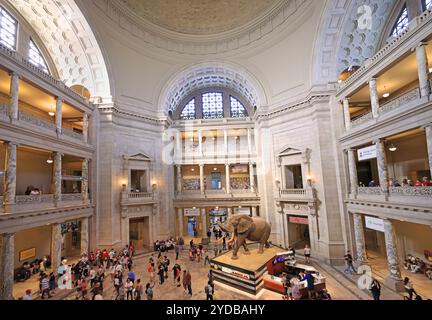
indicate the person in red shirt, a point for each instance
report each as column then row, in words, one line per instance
column 105, row 257
column 91, row 258
column 426, row 182
column 131, row 249
column 418, row 183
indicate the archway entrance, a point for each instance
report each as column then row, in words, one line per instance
column 139, row 233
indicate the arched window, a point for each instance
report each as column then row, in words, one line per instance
column 8, row 29
column 401, row 23
column 36, row 58
column 189, row 112
column 212, row 105
column 237, row 108
column 427, row 4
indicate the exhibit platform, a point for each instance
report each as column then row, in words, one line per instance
column 245, row 273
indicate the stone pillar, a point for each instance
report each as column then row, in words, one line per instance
column 359, row 239
column 10, row 178
column 58, row 115
column 85, row 126
column 230, row 212
column 347, row 115
column 227, row 177
column 226, row 141
column 392, row 258
column 180, row 222
column 249, row 137
column 179, row 179
column 428, row 131
column 382, row 166
column 7, row 243
column 84, row 181
column 56, row 246
column 423, row 70
column 374, row 97
column 204, row 226
column 251, row 177
column 200, row 147
column 57, row 177
column 202, row 187
column 178, row 144
column 254, row 211
column 85, row 235
column 352, row 167
column 14, row 96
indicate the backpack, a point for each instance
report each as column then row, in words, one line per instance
column 208, row 289
column 149, row 292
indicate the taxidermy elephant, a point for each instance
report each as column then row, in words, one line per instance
column 242, row 227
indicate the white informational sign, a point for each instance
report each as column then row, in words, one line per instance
column 236, row 273
column 367, row 153
column 374, row 223
column 192, row 212
column 245, row 211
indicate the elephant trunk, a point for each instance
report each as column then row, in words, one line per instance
column 225, row 228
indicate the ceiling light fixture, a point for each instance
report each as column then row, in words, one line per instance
column 51, row 113
column 50, row 160
column 430, row 70
column 215, row 169
column 192, row 169
column 213, row 138
column 392, row 148
column 386, row 95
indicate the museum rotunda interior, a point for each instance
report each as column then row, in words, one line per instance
column 271, row 148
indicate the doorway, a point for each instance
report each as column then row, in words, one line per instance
column 298, row 231
column 192, row 227
column 139, row 233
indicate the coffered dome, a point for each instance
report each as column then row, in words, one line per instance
column 201, row 17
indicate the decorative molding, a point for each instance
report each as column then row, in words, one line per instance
column 201, row 45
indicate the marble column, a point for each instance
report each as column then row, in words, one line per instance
column 226, row 141
column 428, row 132
column 254, row 211
column 180, row 222
column 7, row 253
column 84, row 181
column 14, row 96
column 204, row 224
column 382, row 166
column 359, row 239
column 57, row 177
column 347, row 116
column 202, row 187
column 178, row 145
column 374, row 97
column 85, row 235
column 251, row 177
column 423, row 70
column 56, row 246
column 352, row 167
column 392, row 258
column 10, row 178
column 230, row 212
column 85, row 129
column 58, row 115
column 249, row 137
column 227, row 177
column 200, row 146
column 179, row 179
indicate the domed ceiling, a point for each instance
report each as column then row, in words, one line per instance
column 201, row 17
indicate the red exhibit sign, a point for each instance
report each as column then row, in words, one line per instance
column 299, row 220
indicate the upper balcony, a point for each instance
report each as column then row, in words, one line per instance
column 296, row 195
column 138, row 198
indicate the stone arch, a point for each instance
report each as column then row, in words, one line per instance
column 70, row 41
column 211, row 74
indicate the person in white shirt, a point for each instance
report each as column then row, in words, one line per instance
column 28, row 295
column 307, row 253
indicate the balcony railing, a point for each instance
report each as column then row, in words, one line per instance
column 33, row 120
column 362, row 119
column 139, row 195
column 400, row 101
column 72, row 134
column 4, row 112
column 411, row 191
column 376, row 191
column 71, row 196
column 31, row 199
column 296, row 193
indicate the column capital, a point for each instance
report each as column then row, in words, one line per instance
column 12, row 143
column 59, row 98
column 427, row 126
column 15, row 74
column 373, row 79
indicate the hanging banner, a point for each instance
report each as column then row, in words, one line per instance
column 367, row 153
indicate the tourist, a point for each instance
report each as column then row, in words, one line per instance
column 310, row 280
column 161, row 273
column 177, row 251
column 209, row 234
column 409, row 288
column 187, row 282
column 28, row 295
column 324, row 295
column 295, row 291
column 209, row 290
column 44, row 284
column 349, row 263
column 287, row 288
column 129, row 289
column 52, row 281
column 210, row 276
column 206, row 257
column 118, row 282
column 150, row 269
column 375, row 288
column 131, row 276
column 198, row 254
column 426, row 182
column 138, row 290
column 149, row 291
column 178, row 275
column 307, row 254
column 96, row 290
column 372, row 184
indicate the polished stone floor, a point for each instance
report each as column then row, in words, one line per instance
column 341, row 286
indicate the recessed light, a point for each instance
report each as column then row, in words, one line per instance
column 214, row 169
column 386, row 95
